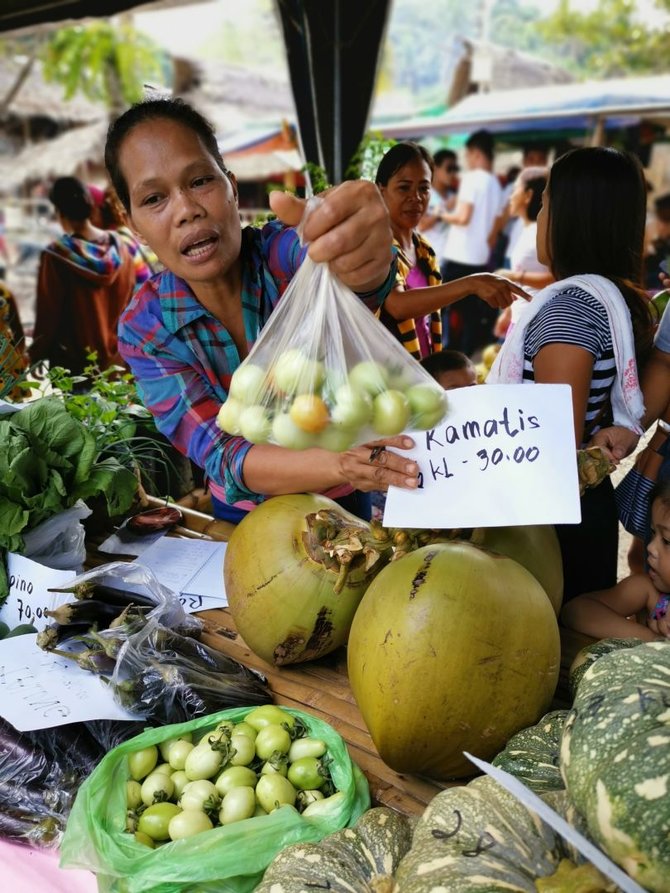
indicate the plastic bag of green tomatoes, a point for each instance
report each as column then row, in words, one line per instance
column 228, row 858
column 325, row 372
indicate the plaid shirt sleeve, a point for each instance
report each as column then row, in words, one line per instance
column 182, row 393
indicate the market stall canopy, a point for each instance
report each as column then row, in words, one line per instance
column 265, row 154
column 333, row 49
column 619, row 102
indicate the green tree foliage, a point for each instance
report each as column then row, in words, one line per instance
column 612, row 40
column 104, row 62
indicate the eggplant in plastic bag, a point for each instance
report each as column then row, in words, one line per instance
column 172, row 678
column 325, row 372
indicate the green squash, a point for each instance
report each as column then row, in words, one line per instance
column 480, row 839
column 452, row 648
column 535, row 547
column 590, row 653
column 362, row 858
column 532, row 754
column 615, row 759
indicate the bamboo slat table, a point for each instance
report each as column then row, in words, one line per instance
column 322, row 687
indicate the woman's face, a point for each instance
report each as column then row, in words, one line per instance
column 181, row 202
column 519, row 199
column 407, row 193
column 542, row 237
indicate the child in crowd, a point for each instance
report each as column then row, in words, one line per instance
column 606, row 613
column 450, row 368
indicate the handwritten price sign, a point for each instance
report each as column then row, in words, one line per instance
column 504, row 455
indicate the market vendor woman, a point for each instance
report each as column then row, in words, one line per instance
column 188, row 328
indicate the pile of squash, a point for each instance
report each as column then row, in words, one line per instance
column 604, row 766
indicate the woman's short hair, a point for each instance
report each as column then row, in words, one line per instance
column 71, row 198
column 398, row 156
column 172, row 109
column 535, row 179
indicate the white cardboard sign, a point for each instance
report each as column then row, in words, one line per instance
column 504, row 455
column 29, row 597
column 39, row 690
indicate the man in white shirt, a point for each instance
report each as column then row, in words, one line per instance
column 442, row 199
column 468, row 325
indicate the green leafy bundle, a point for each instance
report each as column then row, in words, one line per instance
column 49, row 460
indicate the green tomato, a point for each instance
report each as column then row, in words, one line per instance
column 272, row 739
column 203, row 761
column 235, row 777
column 255, row 424
column 133, row 794
column 268, row 714
column 286, row 433
column 306, row 798
column 247, row 383
column 336, row 439
column 165, row 746
column 243, row 728
column 390, row 413
column 179, row 780
column 156, row 788
column 201, row 794
column 188, row 823
column 428, row 405
column 238, row 804
column 369, row 377
column 228, row 417
column 144, row 839
column 142, row 762
column 155, row 820
column 243, row 750
column 274, row 791
column 306, row 773
column 295, row 373
column 276, row 765
column 353, row 407
column 306, row 747
column 178, row 753
column 165, row 768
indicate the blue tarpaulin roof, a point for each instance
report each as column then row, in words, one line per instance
column 621, row 101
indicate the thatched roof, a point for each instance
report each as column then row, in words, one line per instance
column 64, row 155
column 38, row 98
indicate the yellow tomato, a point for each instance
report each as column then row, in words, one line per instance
column 309, row 413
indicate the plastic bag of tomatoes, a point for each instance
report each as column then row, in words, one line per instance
column 325, row 372
column 207, row 804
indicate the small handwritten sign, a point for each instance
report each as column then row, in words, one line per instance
column 29, row 597
column 39, row 689
column 504, row 455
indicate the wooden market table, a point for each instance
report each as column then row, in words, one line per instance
column 322, row 687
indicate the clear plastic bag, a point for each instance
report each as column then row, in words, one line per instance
column 169, row 678
column 59, row 542
column 325, row 372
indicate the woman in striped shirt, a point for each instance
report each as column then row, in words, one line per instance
column 591, row 329
column 412, row 309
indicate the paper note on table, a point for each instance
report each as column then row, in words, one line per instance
column 29, row 597
column 503, row 455
column 39, row 689
column 191, row 568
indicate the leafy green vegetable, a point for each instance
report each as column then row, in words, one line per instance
column 49, row 460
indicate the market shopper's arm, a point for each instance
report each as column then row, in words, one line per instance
column 560, row 363
column 494, row 290
column 350, row 230
column 461, row 216
column 529, row 278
